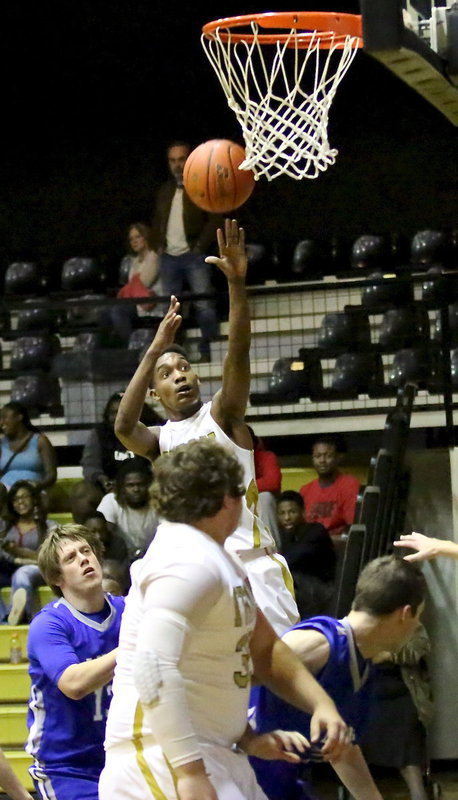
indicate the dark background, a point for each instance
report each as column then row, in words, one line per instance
column 93, row 91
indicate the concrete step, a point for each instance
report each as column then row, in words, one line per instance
column 14, row 683
column 13, row 725
column 20, row 762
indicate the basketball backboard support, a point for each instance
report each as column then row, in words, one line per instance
column 418, row 42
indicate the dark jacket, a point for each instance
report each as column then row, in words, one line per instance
column 200, row 227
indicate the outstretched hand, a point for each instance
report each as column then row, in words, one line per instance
column 426, row 546
column 168, row 327
column 232, row 258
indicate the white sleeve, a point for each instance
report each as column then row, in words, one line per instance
column 108, row 507
column 173, row 605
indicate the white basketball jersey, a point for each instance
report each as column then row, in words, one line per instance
column 251, row 532
column 215, row 664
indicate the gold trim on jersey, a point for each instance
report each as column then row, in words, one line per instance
column 144, row 767
column 287, row 577
column 251, row 496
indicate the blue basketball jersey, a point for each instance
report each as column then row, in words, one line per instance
column 64, row 731
column 344, row 677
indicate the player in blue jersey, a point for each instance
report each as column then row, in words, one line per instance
column 386, row 610
column 72, row 652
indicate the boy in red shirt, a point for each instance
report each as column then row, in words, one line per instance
column 330, row 498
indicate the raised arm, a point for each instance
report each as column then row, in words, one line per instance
column 229, row 404
column 128, row 428
column 426, row 547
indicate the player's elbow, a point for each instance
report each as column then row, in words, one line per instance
column 122, row 427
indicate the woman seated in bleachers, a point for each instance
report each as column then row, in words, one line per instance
column 143, row 281
column 103, row 453
column 25, row 453
column 26, row 527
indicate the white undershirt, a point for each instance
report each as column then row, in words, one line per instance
column 176, row 237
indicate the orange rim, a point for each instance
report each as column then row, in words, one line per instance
column 325, row 27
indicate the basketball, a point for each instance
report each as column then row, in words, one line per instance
column 212, row 178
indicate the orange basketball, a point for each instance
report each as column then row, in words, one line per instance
column 212, row 179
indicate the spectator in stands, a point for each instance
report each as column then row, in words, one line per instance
column 115, row 556
column 128, row 509
column 19, row 550
column 268, row 481
column 102, row 455
column 182, row 234
column 143, row 281
column 330, row 498
column 310, row 554
column 25, row 453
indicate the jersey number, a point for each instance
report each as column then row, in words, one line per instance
column 242, row 677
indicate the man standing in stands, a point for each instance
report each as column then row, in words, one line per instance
column 331, row 498
column 165, row 368
column 72, row 652
column 182, row 234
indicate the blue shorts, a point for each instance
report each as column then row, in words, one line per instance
column 65, row 784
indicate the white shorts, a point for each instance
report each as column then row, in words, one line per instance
column 273, row 590
column 133, row 773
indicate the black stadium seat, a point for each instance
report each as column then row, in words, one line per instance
column 404, row 327
column 34, row 352
column 82, row 274
column 370, row 251
column 344, row 330
column 25, row 278
column 412, row 365
column 290, row 380
column 39, row 392
column 358, row 373
column 386, row 292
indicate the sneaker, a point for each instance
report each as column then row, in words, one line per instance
column 18, row 604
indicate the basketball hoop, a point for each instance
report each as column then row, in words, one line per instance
column 280, row 84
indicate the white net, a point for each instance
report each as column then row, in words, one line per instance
column 281, row 94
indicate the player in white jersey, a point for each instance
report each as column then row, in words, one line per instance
column 165, row 369
column 191, row 638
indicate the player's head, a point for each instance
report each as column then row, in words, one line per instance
column 132, row 483
column 290, row 510
column 391, row 587
column 175, row 384
column 327, row 453
column 193, row 480
column 70, row 557
column 177, row 153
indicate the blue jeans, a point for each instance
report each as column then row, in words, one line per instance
column 27, row 577
column 191, row 268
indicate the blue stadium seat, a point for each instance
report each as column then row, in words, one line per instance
column 306, row 262
column 441, row 288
